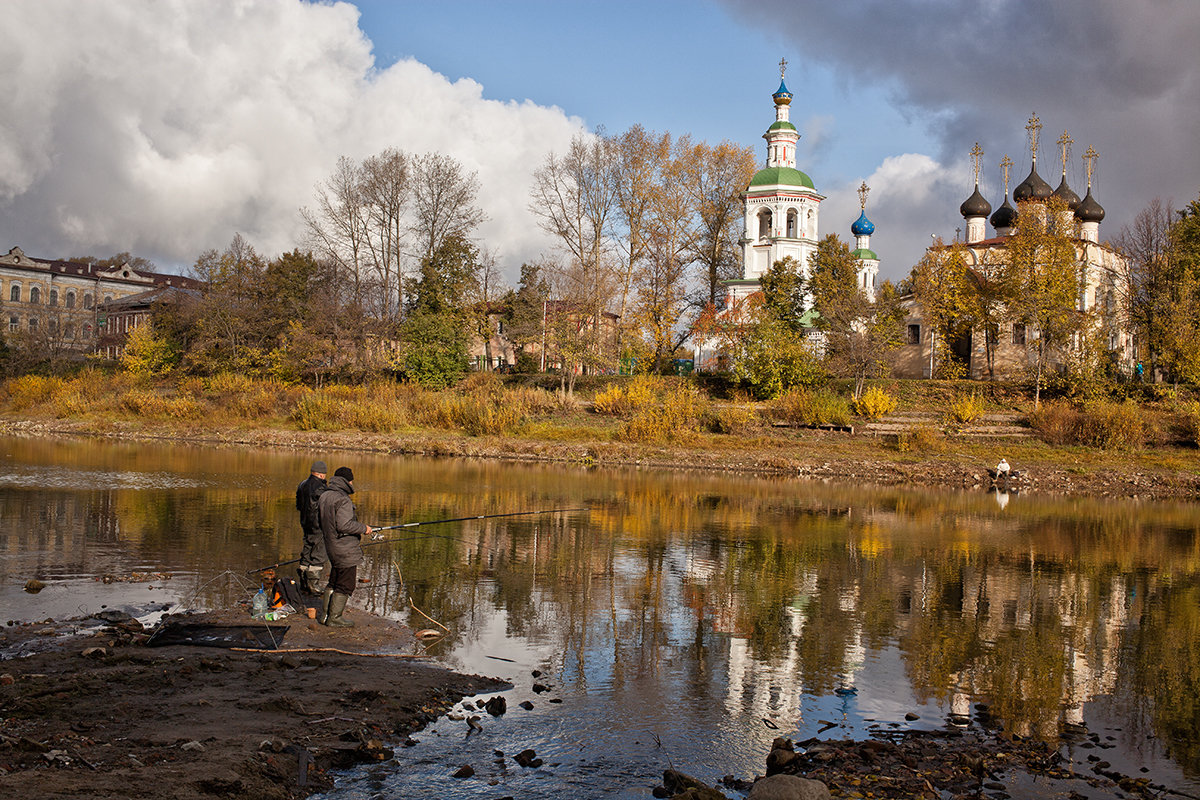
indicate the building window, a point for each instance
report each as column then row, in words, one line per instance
column 52, row 326
column 914, row 334
column 791, row 223
column 14, row 294
column 14, row 324
column 70, row 299
column 33, row 323
column 108, row 298
column 69, row 330
column 1018, row 334
column 87, row 300
column 54, row 297
column 764, row 223
column 35, row 295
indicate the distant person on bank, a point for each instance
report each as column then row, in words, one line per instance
column 343, row 543
column 312, row 554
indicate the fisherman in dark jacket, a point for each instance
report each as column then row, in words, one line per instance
column 312, row 554
column 343, row 542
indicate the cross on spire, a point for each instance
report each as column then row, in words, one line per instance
column 976, row 155
column 1034, row 127
column 863, row 191
column 1005, row 165
column 1089, row 158
column 1064, row 146
column 782, row 67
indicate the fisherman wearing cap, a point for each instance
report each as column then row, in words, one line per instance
column 343, row 541
column 312, row 555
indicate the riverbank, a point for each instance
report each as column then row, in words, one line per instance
column 96, row 713
column 956, row 462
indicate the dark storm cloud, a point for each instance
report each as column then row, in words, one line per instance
column 1120, row 76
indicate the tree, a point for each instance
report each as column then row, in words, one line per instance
column 1181, row 340
column 860, row 336
column 1041, row 270
column 716, row 176
column 940, row 286
column 525, row 310
column 445, row 198
column 436, row 328
column 149, row 353
column 785, row 293
column 229, row 330
column 1150, row 279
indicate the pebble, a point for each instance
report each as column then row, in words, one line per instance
column 465, row 771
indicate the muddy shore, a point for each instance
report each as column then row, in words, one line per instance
column 96, row 713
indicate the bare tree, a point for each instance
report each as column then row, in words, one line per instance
column 384, row 192
column 444, row 202
column 337, row 227
column 717, row 176
column 1148, row 281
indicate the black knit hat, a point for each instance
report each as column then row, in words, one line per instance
column 344, row 472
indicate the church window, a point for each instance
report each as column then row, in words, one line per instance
column 14, row 294
column 35, row 295
column 764, row 223
column 914, row 334
column 1018, row 336
column 70, row 299
column 54, row 297
column 791, row 223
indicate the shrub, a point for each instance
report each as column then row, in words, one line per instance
column 730, row 419
column 921, row 439
column 636, row 395
column 1113, row 426
column 154, row 405
column 676, row 417
column 610, row 401
column 1055, row 423
column 874, row 403
column 316, row 412
column 1189, row 414
column 803, row 407
column 28, row 391
column 964, row 408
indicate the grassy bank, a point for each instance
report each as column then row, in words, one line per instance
column 933, row 427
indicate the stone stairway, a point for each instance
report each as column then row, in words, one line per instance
column 1008, row 426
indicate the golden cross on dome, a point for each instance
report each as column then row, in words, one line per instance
column 863, row 191
column 1089, row 158
column 782, row 67
column 1005, row 165
column 976, row 154
column 1034, row 127
column 1064, row 145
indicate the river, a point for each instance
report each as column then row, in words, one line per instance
column 678, row 619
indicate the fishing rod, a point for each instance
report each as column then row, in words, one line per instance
column 428, row 522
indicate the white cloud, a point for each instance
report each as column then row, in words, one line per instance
column 165, row 127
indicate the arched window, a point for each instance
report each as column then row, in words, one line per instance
column 14, row 294
column 87, row 300
column 108, row 298
column 764, row 223
column 35, row 295
column 54, row 297
column 70, row 299
column 810, row 228
column 791, row 223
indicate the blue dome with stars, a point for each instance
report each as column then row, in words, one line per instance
column 862, row 226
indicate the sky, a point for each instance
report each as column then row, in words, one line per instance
column 164, row 127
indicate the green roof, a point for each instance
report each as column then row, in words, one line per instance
column 809, row 318
column 781, row 126
column 781, row 176
column 865, row 254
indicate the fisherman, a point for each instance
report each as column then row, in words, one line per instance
column 343, row 542
column 1002, row 469
column 312, row 554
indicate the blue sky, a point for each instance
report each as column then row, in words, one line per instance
column 199, row 120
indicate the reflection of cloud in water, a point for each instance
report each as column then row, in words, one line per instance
column 70, row 478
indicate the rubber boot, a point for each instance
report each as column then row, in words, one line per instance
column 323, row 612
column 337, row 605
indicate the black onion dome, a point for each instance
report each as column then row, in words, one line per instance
column 975, row 205
column 1005, row 216
column 1032, row 188
column 1067, row 194
column 1089, row 210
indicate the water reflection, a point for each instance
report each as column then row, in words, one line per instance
column 685, row 602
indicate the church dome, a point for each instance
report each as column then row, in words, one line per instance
column 1032, row 188
column 975, row 205
column 862, row 226
column 782, row 96
column 1067, row 195
column 1005, row 216
column 781, row 176
column 1089, row 210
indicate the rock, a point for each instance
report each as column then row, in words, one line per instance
column 94, row 652
column 465, row 771
column 779, row 759
column 525, row 704
column 788, row 787
column 191, row 746
column 911, row 716
column 680, row 785
column 539, row 688
column 528, row 758
column 537, row 673
column 33, row 586
column 496, row 706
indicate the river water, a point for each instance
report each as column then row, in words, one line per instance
column 678, row 619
